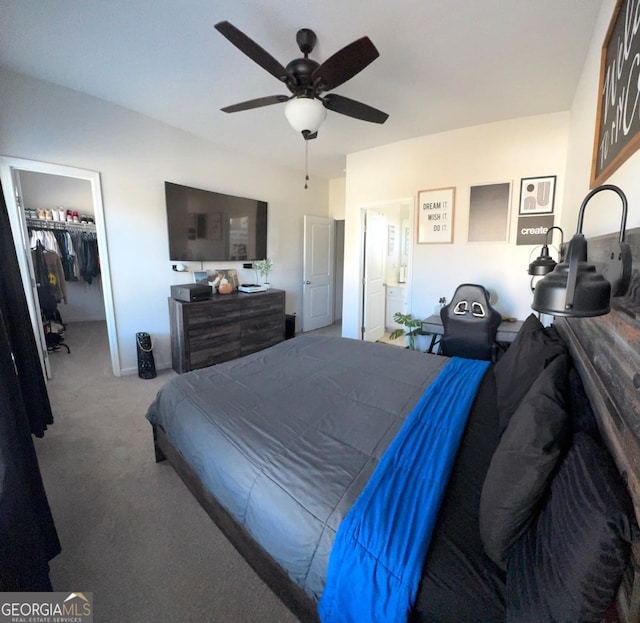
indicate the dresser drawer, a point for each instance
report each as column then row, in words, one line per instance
column 261, row 332
column 203, row 315
column 265, row 303
column 214, row 352
column 203, row 336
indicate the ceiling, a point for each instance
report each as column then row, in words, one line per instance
column 443, row 64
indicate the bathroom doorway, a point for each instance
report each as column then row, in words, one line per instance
column 386, row 261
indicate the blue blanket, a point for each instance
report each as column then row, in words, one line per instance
column 378, row 553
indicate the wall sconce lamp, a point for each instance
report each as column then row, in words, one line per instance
column 544, row 263
column 576, row 287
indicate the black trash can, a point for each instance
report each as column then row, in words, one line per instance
column 289, row 326
column 146, row 364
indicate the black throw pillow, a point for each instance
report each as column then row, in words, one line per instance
column 524, row 461
column 582, row 417
column 567, row 567
column 530, row 353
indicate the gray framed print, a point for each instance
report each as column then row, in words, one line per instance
column 489, row 206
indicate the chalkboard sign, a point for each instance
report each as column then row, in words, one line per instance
column 617, row 133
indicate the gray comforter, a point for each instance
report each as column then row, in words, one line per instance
column 286, row 438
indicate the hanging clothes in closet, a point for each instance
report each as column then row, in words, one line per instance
column 88, row 259
column 67, row 254
column 61, row 254
column 77, row 251
column 49, row 272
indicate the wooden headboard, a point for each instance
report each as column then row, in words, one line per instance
column 606, row 352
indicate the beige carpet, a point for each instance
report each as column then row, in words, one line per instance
column 131, row 532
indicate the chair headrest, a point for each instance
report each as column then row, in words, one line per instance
column 470, row 298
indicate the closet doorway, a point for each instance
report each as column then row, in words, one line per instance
column 30, row 186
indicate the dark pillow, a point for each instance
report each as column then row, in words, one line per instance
column 568, row 565
column 530, row 353
column 523, row 463
column 582, row 417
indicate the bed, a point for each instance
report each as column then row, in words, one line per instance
column 280, row 446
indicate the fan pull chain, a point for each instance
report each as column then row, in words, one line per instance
column 306, row 164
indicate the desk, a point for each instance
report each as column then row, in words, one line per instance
column 507, row 331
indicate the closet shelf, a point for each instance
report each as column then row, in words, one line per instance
column 39, row 223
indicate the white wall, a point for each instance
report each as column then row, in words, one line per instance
column 337, row 189
column 581, row 135
column 498, row 152
column 135, row 155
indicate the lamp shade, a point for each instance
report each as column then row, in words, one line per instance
column 574, row 288
column 578, row 288
column 543, row 264
column 305, row 114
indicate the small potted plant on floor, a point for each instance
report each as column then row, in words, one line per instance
column 263, row 268
column 412, row 329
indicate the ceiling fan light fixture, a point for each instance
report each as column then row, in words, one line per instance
column 305, row 114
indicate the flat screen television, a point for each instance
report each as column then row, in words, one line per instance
column 211, row 227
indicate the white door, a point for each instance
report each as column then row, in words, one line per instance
column 23, row 253
column 317, row 272
column 374, row 290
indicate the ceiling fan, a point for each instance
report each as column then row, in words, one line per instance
column 309, row 81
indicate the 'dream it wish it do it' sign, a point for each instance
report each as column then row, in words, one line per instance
column 435, row 215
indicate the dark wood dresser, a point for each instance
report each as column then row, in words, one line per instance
column 224, row 327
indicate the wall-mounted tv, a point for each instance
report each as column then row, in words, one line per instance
column 211, row 227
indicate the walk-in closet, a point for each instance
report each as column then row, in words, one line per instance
column 61, row 229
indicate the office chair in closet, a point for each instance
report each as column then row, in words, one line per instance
column 470, row 324
column 51, row 320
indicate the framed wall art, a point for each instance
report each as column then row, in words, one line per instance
column 435, row 215
column 489, row 212
column 537, row 195
column 201, row 276
column 617, row 131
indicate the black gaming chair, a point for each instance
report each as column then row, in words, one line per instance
column 470, row 324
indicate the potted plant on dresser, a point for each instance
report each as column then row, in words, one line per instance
column 263, row 268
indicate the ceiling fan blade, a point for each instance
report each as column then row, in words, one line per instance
column 256, row 103
column 351, row 108
column 252, row 50
column 344, row 64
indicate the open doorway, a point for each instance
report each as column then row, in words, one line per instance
column 60, row 216
column 33, row 190
column 386, row 261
